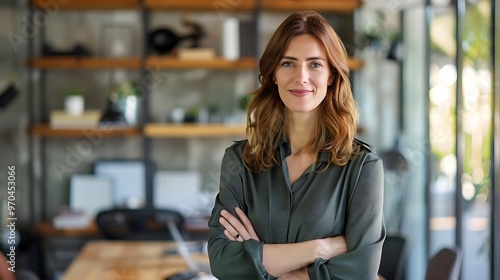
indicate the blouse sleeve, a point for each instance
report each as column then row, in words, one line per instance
column 365, row 230
column 232, row 259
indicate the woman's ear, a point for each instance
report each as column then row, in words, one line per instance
column 330, row 80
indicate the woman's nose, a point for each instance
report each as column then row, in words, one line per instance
column 301, row 75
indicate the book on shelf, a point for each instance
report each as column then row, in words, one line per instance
column 196, row 53
column 88, row 119
column 69, row 219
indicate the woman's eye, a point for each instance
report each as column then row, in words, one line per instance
column 315, row 65
column 287, row 64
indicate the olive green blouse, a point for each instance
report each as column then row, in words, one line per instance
column 341, row 200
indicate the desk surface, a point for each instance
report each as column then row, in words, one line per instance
column 127, row 260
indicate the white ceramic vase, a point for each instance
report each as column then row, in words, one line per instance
column 74, row 104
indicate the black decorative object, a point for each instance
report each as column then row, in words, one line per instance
column 113, row 115
column 7, row 95
column 163, row 40
column 77, row 50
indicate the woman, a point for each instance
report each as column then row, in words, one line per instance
column 300, row 198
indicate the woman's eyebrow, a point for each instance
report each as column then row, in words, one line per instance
column 307, row 59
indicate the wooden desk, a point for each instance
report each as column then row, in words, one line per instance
column 127, row 260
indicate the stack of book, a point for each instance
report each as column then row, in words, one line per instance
column 196, row 53
column 71, row 220
column 88, row 119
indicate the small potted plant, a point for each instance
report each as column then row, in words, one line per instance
column 74, row 102
column 244, row 103
column 128, row 101
column 192, row 114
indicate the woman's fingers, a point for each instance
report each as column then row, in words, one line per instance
column 234, row 227
column 229, row 236
column 229, row 229
column 240, row 229
column 247, row 224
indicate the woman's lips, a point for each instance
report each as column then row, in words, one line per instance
column 299, row 92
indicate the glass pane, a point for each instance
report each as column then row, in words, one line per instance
column 476, row 119
column 476, row 132
column 442, row 106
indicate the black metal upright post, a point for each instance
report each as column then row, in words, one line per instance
column 495, row 173
column 257, row 12
column 44, row 118
column 146, row 92
column 31, row 121
column 460, row 8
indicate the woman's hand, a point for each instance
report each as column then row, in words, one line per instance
column 331, row 247
column 237, row 230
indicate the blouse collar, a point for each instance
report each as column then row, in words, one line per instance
column 286, row 150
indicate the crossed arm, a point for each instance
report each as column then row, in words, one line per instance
column 285, row 261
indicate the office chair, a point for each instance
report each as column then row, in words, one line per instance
column 138, row 224
column 445, row 265
column 393, row 258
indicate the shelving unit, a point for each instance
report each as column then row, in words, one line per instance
column 147, row 130
column 155, row 130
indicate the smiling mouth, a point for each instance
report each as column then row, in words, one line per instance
column 300, row 92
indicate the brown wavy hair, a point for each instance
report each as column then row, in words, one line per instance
column 336, row 125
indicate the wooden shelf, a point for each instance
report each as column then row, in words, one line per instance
column 44, row 130
column 154, row 62
column 71, row 62
column 343, row 6
column 216, row 63
column 88, row 4
column 355, row 64
column 47, row 229
column 220, row 6
column 159, row 130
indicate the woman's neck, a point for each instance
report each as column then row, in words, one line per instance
column 300, row 128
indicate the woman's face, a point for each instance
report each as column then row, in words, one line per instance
column 303, row 75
